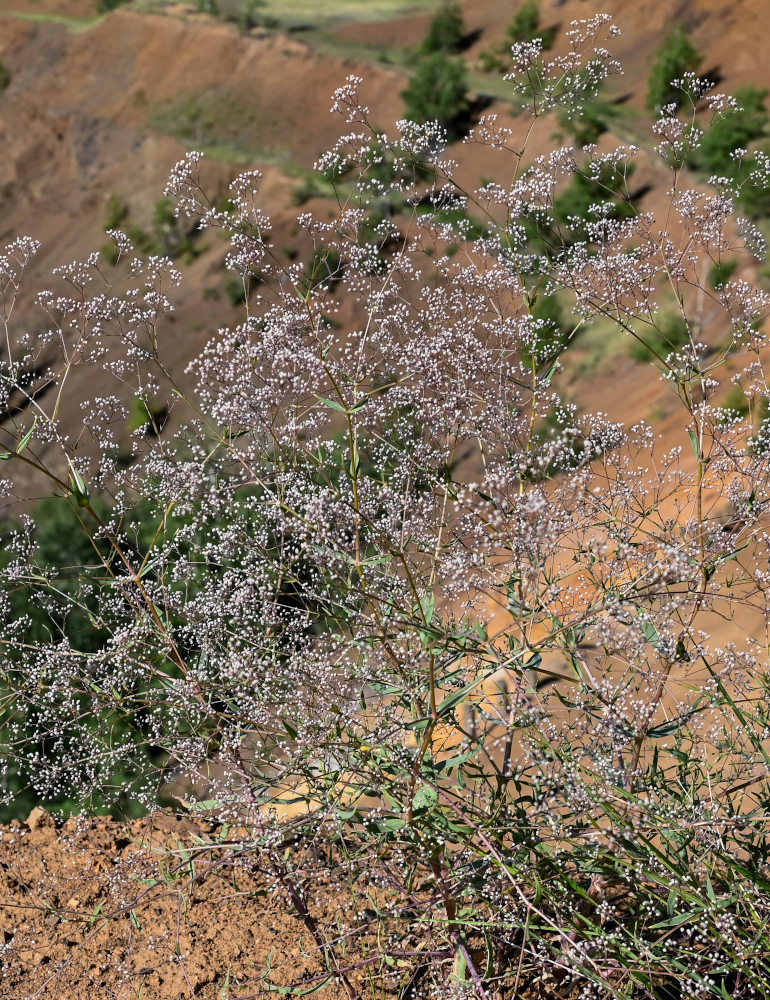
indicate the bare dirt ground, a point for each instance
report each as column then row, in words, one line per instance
column 97, row 908
column 168, row 907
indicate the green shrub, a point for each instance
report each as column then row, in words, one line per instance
column 754, row 199
column 552, row 331
column 171, row 237
column 657, row 342
column 595, row 119
column 235, row 289
column 490, row 62
column 438, row 92
column 572, row 207
column 5, row 76
column 465, row 225
column 314, row 186
column 734, row 130
column 248, row 17
column 148, row 415
column 736, row 405
column 676, row 56
column 446, row 31
column 116, row 213
column 739, row 129
column 759, row 444
column 525, row 26
column 59, row 599
column 720, row 272
column 141, row 239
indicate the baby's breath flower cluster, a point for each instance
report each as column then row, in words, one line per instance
column 383, row 583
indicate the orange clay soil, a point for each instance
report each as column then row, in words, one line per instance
column 96, row 908
column 170, row 907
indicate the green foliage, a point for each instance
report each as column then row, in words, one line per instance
column 148, row 415
column 594, row 120
column 116, row 213
column 171, row 237
column 314, row 185
column 657, row 342
column 105, row 6
column 740, row 129
column 525, row 25
column 552, row 330
column 759, row 444
column 720, row 272
column 736, row 405
column 676, row 56
column 754, row 197
column 572, row 207
column 324, row 268
column 59, row 599
column 465, row 225
column 5, row 76
column 235, row 289
column 438, row 92
column 732, row 130
column 64, row 552
column 490, row 62
column 248, row 16
column 446, row 31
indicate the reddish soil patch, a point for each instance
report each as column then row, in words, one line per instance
column 96, row 908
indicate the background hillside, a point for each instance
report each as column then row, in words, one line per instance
column 99, row 106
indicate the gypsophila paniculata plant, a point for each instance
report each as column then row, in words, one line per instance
column 391, row 591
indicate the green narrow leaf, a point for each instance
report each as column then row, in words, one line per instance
column 26, row 439
column 22, row 444
column 425, row 798
column 680, row 918
column 649, row 631
column 332, row 404
column 79, row 489
column 547, row 380
column 694, row 443
column 533, row 662
column 732, row 555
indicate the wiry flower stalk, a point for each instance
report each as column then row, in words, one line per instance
column 385, row 585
